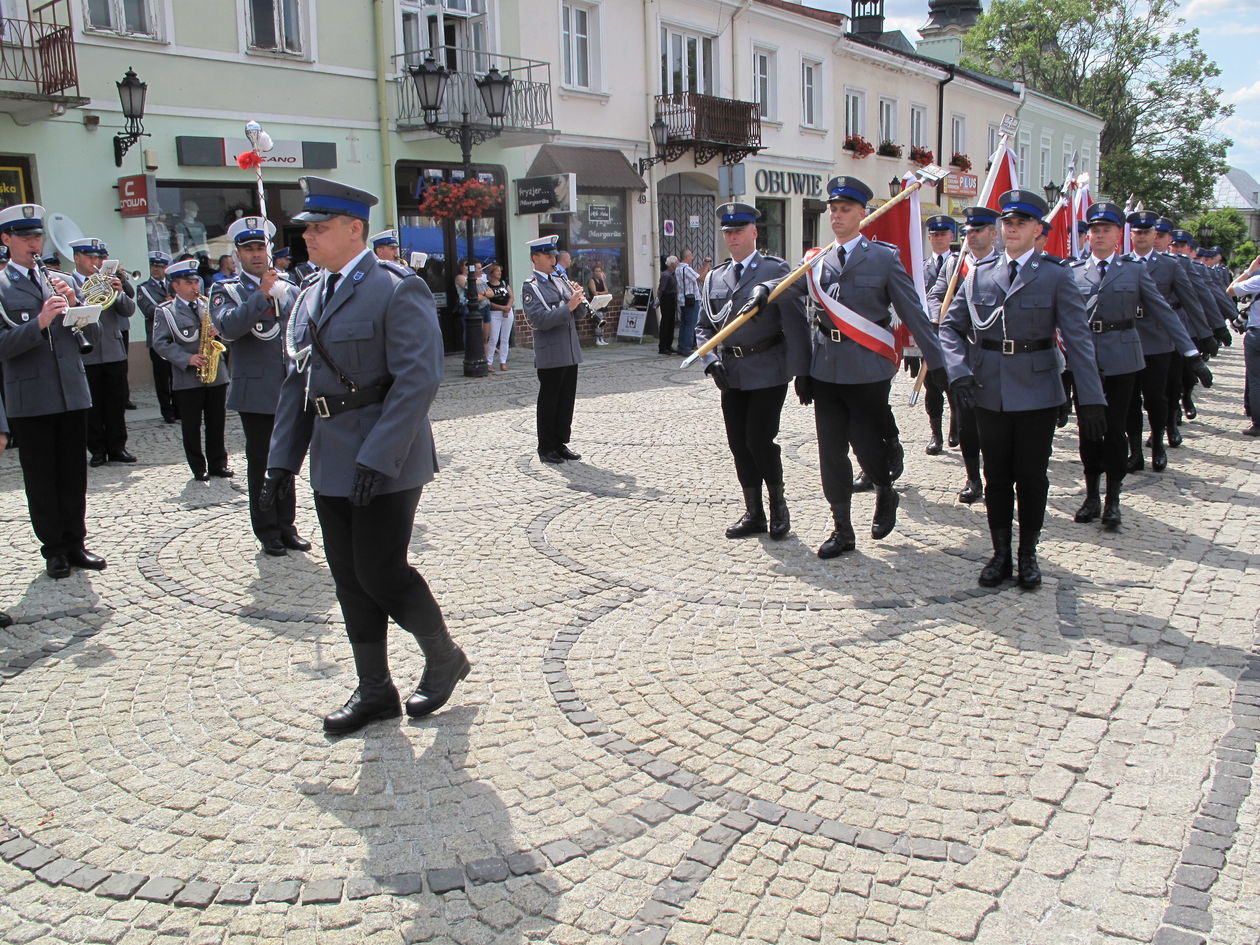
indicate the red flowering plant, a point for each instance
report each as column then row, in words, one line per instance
column 960, row 161
column 460, row 199
column 921, row 156
column 858, row 145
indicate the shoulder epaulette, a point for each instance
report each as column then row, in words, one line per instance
column 397, row 269
column 987, row 261
column 1076, row 263
column 892, row 246
column 772, row 257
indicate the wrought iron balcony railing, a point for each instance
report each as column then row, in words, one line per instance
column 709, row 126
column 528, row 101
column 39, row 52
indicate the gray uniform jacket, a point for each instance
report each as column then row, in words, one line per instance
column 545, row 302
column 1126, row 294
column 149, row 295
column 43, row 372
column 1204, row 316
column 721, row 297
column 1222, row 309
column 1043, row 298
column 177, row 337
column 247, row 320
column 1174, row 285
column 872, row 279
column 932, row 275
column 381, row 329
column 107, row 341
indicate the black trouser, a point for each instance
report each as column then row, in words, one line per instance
column 126, row 363
column 279, row 519
column 107, row 417
column 366, row 548
column 668, row 310
column 1176, row 365
column 851, row 415
column 935, row 396
column 162, row 383
column 54, row 471
column 194, row 404
column 557, row 392
column 1151, row 391
column 1188, row 377
column 968, row 438
column 752, row 424
column 1111, row 454
column 1015, row 446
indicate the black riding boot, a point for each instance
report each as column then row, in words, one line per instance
column 999, row 567
column 1029, row 572
column 1111, row 506
column 1092, row 505
column 444, row 666
column 753, row 521
column 936, row 442
column 780, row 520
column 841, row 538
column 375, row 698
column 974, row 489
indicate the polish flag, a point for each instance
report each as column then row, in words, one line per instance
column 1003, row 176
column 1059, row 242
column 902, row 226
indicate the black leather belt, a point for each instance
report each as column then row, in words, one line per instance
column 1011, row 346
column 332, row 404
column 743, row 351
column 1099, row 327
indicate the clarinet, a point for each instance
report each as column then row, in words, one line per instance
column 85, row 346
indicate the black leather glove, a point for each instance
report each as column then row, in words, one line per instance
column 366, row 482
column 939, row 378
column 911, row 365
column 718, row 373
column 1092, row 420
column 1208, row 346
column 755, row 304
column 1200, row 370
column 805, row 389
column 1222, row 335
column 964, row 391
column 277, row 484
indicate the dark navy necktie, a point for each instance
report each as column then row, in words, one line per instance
column 739, row 272
column 1014, row 270
column 842, row 255
column 1102, row 269
column 331, row 287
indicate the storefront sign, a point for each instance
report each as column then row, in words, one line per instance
column 556, row 193
column 961, row 185
column 195, row 151
column 598, row 213
column 137, row 195
column 788, row 182
column 284, row 154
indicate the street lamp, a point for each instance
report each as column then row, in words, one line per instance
column 660, row 138
column 431, row 80
column 1205, row 233
column 894, row 187
column 1053, row 193
column 131, row 92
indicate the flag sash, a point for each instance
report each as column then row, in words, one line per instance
column 857, row 328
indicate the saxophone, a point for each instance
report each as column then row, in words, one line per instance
column 211, row 349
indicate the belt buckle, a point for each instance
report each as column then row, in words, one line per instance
column 1139, row 313
column 837, row 335
column 1096, row 327
column 736, row 350
column 1008, row 345
column 321, row 408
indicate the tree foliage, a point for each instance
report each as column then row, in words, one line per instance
column 1229, row 229
column 1131, row 63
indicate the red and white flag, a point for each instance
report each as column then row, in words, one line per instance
column 1003, row 176
column 1059, row 242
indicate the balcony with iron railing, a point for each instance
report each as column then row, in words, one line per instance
column 39, row 74
column 709, row 126
column 528, row 112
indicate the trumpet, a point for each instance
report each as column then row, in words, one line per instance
column 85, row 346
column 211, row 349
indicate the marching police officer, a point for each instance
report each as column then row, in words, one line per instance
column 852, row 286
column 1216, row 313
column 149, row 295
column 753, row 365
column 385, row 244
column 941, row 231
column 45, row 394
column 367, row 362
column 1008, row 308
column 178, row 327
column 551, row 307
column 106, row 363
column 250, row 312
column 1119, row 295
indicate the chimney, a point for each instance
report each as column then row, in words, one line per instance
column 867, row 18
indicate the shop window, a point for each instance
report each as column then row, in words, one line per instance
column 597, row 234
column 771, row 228
column 193, row 218
column 275, row 26
column 811, row 212
column 126, row 17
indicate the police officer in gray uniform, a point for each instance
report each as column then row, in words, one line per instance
column 5, row 619
column 1117, row 289
column 106, row 363
column 1004, row 319
column 753, row 366
column 250, row 312
column 45, row 394
column 149, row 295
column 1216, row 314
column 551, row 307
column 366, row 355
column 941, row 230
column 177, row 336
column 849, row 378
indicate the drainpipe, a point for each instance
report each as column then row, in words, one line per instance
column 940, row 123
column 389, row 190
column 651, row 68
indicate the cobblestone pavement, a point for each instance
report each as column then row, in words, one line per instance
column 667, row 736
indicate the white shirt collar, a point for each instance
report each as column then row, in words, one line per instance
column 851, row 245
column 740, row 262
column 1109, row 260
column 349, row 267
column 1022, row 260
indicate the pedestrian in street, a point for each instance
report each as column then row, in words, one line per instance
column 180, row 326
column 687, row 284
column 46, row 393
column 366, row 352
column 502, row 317
column 1117, row 289
column 149, row 295
column 1248, row 283
column 1003, row 320
column 667, row 304
column 753, row 366
column 551, row 306
column 855, row 286
column 250, row 312
column 106, row 363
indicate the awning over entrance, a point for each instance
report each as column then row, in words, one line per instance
column 595, row 167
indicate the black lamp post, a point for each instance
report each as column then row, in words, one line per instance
column 1053, row 193
column 131, row 92
column 894, row 187
column 660, row 138
column 1205, row 233
column 431, row 80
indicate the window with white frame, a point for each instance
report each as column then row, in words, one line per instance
column 887, row 120
column 918, row 126
column 1084, row 161
column 994, row 134
column 457, row 33
column 1046, row 170
column 1068, row 159
column 958, row 134
column 811, row 93
column 126, row 17
column 579, row 27
column 1023, row 156
column 276, row 25
column 764, row 91
column 687, row 62
column 854, row 112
